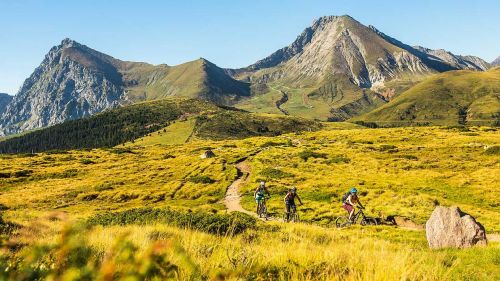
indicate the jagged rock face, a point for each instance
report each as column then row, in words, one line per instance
column 69, row 84
column 450, row 227
column 5, row 99
column 496, row 62
column 458, row 62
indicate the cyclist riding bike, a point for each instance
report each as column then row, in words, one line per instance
column 290, row 201
column 349, row 200
column 260, row 194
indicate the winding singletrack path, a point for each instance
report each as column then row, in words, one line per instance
column 233, row 198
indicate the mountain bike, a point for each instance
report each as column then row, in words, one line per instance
column 343, row 221
column 262, row 209
column 291, row 216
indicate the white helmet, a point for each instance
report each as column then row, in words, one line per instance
column 262, row 183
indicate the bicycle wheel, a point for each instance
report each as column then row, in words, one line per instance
column 368, row 221
column 264, row 211
column 342, row 222
column 285, row 217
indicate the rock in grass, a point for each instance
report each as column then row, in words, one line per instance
column 450, row 227
column 207, row 154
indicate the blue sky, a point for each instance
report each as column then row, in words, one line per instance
column 230, row 33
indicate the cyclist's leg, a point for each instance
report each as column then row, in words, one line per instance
column 349, row 209
column 351, row 214
column 287, row 211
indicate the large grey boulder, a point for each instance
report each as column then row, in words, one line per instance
column 450, row 227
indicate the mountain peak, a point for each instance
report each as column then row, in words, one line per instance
column 68, row 42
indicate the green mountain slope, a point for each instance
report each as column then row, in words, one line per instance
column 339, row 68
column 196, row 79
column 128, row 123
column 451, row 98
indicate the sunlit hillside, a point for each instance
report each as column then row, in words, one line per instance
column 154, row 207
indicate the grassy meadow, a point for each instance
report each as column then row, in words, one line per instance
column 89, row 214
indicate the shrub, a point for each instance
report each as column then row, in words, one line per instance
column 271, row 173
column 459, row 128
column 387, row 147
column 274, row 143
column 409, row 157
column 233, row 223
column 117, row 150
column 366, row 124
column 86, row 161
column 306, row 154
column 201, row 179
column 7, row 228
column 492, row 150
column 89, row 197
column 168, row 156
column 22, row 173
column 338, row 159
column 103, row 187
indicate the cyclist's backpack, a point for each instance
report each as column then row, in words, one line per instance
column 344, row 197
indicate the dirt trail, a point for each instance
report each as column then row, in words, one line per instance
column 233, row 197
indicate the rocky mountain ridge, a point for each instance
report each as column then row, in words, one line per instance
column 351, row 68
column 75, row 81
column 340, row 45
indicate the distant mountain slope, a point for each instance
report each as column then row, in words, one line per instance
column 5, row 99
column 124, row 124
column 450, row 98
column 496, row 62
column 75, row 81
column 349, row 67
column 456, row 61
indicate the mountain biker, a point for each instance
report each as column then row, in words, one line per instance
column 260, row 194
column 290, row 201
column 349, row 200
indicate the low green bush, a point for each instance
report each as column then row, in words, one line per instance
column 201, row 179
column 387, row 147
column 492, row 150
column 233, row 223
column 86, row 161
column 306, row 154
column 338, row 159
column 271, row 173
column 409, row 157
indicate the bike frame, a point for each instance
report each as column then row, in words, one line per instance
column 357, row 215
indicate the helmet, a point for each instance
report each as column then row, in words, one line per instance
column 354, row 190
column 262, row 183
column 293, row 189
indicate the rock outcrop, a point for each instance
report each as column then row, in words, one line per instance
column 72, row 82
column 5, row 99
column 450, row 227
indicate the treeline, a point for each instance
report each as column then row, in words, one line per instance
column 105, row 129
